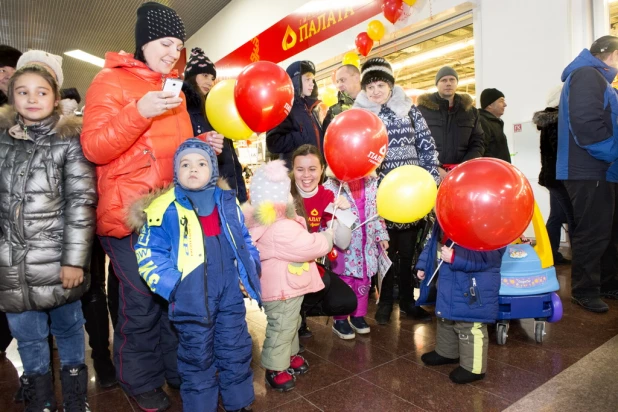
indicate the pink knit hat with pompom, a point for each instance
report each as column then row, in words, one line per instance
column 270, row 183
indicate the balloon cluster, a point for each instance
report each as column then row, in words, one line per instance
column 257, row 101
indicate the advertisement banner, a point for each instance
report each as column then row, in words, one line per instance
column 313, row 23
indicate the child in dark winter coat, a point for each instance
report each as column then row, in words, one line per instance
column 468, row 286
column 47, row 209
column 193, row 250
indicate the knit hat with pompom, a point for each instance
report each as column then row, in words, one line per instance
column 270, row 183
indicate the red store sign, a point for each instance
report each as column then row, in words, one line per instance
column 313, row 23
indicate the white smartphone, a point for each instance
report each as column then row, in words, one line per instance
column 173, row 85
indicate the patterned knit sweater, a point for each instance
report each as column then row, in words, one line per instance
column 409, row 139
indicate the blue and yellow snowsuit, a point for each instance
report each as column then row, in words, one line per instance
column 199, row 275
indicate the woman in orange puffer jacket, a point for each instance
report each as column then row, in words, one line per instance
column 131, row 132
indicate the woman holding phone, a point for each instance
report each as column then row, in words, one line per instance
column 131, row 131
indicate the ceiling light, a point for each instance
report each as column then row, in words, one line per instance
column 87, row 57
column 434, row 54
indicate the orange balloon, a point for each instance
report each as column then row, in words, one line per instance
column 410, row 2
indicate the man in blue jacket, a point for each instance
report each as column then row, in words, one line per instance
column 587, row 152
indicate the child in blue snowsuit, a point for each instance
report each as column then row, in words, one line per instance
column 195, row 251
column 467, row 300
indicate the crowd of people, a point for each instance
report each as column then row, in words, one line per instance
column 143, row 179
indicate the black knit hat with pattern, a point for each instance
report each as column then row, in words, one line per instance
column 198, row 63
column 9, row 56
column 156, row 21
column 377, row 69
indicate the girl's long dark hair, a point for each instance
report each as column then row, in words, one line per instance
column 193, row 82
column 304, row 150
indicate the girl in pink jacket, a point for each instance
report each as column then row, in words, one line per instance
column 287, row 252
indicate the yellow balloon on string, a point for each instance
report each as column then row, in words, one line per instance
column 222, row 113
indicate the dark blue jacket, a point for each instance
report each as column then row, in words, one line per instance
column 468, row 288
column 302, row 126
column 229, row 167
column 587, row 135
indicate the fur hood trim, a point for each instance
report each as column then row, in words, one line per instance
column 430, row 101
column 329, row 173
column 66, row 128
column 136, row 215
column 545, row 117
column 267, row 213
column 399, row 102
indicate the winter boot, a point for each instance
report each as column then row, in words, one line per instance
column 75, row 388
column 359, row 325
column 38, row 393
column 281, row 381
column 298, row 365
column 433, row 358
column 343, row 329
column 595, row 305
column 383, row 313
column 304, row 331
column 462, row 376
column 155, row 400
column 413, row 311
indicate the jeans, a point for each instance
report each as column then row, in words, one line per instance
column 31, row 330
column 560, row 212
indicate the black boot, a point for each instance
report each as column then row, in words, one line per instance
column 75, row 388
column 433, row 358
column 38, row 393
column 304, row 331
column 383, row 313
column 463, row 376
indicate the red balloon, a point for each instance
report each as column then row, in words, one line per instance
column 263, row 95
column 364, row 44
column 393, row 9
column 355, row 144
column 484, row 204
column 332, row 255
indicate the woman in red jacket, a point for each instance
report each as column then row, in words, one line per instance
column 131, row 131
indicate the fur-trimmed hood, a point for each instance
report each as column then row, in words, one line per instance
column 136, row 212
column 267, row 213
column 432, row 101
column 67, row 126
column 545, row 117
column 399, row 102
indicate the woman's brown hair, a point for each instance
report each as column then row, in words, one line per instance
column 193, row 82
column 304, row 150
column 39, row 70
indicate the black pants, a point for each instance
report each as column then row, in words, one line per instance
column 5, row 333
column 94, row 306
column 145, row 344
column 400, row 250
column 560, row 212
column 336, row 299
column 112, row 294
column 595, row 237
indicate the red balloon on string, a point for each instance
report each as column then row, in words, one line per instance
column 393, row 9
column 263, row 95
column 364, row 44
column 355, row 144
column 484, row 204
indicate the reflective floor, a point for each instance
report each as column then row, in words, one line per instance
column 382, row 371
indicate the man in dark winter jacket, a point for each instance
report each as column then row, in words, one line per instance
column 587, row 154
column 492, row 109
column 8, row 61
column 453, row 121
column 349, row 85
column 302, row 125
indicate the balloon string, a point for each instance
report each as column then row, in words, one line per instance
column 439, row 264
column 366, row 221
column 335, row 210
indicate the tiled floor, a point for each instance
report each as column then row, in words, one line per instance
column 383, row 372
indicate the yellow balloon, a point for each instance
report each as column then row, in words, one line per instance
column 375, row 30
column 222, row 113
column 329, row 97
column 351, row 58
column 410, row 2
column 406, row 194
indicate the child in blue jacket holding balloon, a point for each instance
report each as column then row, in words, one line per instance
column 468, row 286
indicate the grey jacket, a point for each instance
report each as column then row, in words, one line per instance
column 47, row 211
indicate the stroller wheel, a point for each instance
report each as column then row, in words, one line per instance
column 501, row 333
column 539, row 331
